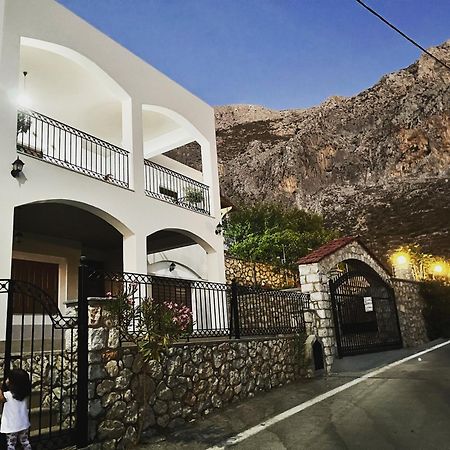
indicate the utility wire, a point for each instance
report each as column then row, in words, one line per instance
column 403, row 34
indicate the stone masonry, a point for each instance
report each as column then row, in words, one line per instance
column 249, row 273
column 314, row 280
column 410, row 305
column 190, row 380
column 317, row 268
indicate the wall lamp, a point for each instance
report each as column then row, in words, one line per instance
column 219, row 228
column 172, row 267
column 17, row 167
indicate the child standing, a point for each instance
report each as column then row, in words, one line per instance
column 15, row 422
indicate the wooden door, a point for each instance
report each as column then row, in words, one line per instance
column 42, row 275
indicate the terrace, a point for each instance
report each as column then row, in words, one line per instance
column 55, row 142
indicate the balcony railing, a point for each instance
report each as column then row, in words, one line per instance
column 55, row 142
column 165, row 184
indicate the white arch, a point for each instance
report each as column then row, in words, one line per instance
column 102, row 214
column 180, row 120
column 80, row 59
column 196, row 238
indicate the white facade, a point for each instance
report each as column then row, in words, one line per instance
column 80, row 77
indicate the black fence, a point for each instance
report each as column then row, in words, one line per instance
column 218, row 309
column 173, row 187
column 55, row 142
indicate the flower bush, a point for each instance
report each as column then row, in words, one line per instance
column 164, row 323
column 160, row 323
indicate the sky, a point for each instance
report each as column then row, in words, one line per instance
column 277, row 53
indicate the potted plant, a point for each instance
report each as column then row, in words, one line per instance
column 193, row 196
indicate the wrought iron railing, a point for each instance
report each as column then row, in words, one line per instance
column 218, row 309
column 55, row 142
column 170, row 186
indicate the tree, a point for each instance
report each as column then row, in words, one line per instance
column 273, row 234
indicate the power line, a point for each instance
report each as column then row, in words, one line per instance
column 403, row 34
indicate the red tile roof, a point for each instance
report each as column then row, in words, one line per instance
column 326, row 249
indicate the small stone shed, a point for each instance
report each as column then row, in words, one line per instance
column 356, row 304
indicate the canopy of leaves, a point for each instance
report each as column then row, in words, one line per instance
column 273, row 234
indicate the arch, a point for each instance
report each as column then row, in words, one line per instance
column 81, row 60
column 206, row 246
column 107, row 217
column 180, row 120
column 355, row 254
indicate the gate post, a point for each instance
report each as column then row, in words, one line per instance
column 314, row 281
column 9, row 325
column 235, row 325
column 82, row 382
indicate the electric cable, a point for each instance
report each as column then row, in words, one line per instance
column 401, row 33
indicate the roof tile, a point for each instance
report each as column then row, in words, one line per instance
column 326, row 249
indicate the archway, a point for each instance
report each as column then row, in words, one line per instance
column 364, row 310
column 49, row 239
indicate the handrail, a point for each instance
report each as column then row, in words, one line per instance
column 55, row 142
column 168, row 185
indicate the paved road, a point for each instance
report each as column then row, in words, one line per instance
column 404, row 407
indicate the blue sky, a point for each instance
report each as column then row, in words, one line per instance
column 277, row 53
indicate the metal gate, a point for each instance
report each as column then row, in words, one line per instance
column 365, row 313
column 40, row 340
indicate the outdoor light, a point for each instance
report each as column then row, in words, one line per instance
column 17, row 167
column 219, row 228
column 437, row 268
column 172, row 267
column 401, row 259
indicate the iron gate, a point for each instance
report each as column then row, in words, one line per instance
column 365, row 313
column 40, row 340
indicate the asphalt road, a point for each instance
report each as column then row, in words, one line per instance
column 404, row 407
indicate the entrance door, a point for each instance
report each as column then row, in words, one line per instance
column 42, row 275
column 365, row 313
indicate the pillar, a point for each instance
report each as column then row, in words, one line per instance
column 132, row 141
column 314, row 282
column 135, row 253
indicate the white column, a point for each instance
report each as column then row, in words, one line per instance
column 210, row 175
column 9, row 187
column 215, row 261
column 135, row 253
column 132, row 141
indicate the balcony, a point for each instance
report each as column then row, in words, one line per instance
column 173, row 187
column 60, row 144
column 55, row 142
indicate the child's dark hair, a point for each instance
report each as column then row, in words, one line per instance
column 19, row 384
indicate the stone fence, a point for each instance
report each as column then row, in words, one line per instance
column 127, row 396
column 409, row 306
column 251, row 273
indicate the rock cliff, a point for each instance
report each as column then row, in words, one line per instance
column 376, row 164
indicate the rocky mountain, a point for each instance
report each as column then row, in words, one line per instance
column 376, row 164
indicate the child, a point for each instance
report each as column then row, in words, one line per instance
column 15, row 422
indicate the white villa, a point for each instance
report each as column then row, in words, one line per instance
column 92, row 124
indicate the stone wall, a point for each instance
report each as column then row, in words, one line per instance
column 409, row 306
column 251, row 273
column 189, row 381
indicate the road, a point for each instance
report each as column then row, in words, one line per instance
column 403, row 407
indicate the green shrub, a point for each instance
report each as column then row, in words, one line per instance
column 437, row 309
